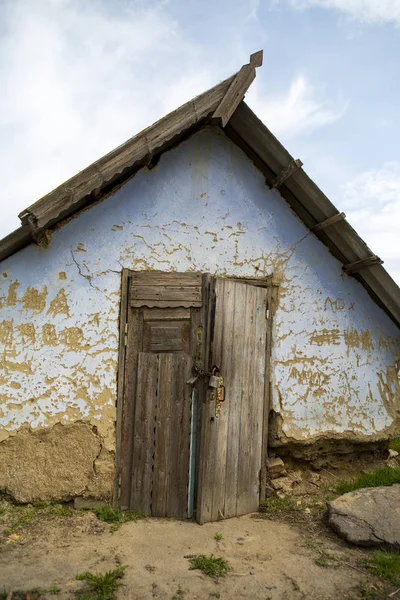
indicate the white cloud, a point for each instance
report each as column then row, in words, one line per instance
column 77, row 80
column 371, row 201
column 366, row 11
column 300, row 110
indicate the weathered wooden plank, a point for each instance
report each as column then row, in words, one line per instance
column 225, row 354
column 238, row 384
column 165, row 303
column 203, row 498
column 286, row 173
column 166, row 292
column 123, row 324
column 134, row 346
column 163, row 441
column 358, row 265
column 167, row 336
column 251, row 422
column 15, row 241
column 144, row 436
column 246, row 403
column 178, row 467
column 328, row 222
column 238, row 89
column 267, row 393
column 165, row 314
column 171, row 278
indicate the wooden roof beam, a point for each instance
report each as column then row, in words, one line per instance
column 358, row 265
column 237, row 90
column 328, row 222
column 287, row 172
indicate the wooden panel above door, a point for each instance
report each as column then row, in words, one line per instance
column 166, row 290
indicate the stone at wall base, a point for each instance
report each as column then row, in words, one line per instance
column 88, row 503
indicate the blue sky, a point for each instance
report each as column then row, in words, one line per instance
column 79, row 78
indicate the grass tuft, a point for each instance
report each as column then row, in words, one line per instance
column 274, row 505
column 102, row 586
column 385, row 565
column 381, row 477
column 212, row 566
column 395, row 445
column 116, row 517
column 218, row 536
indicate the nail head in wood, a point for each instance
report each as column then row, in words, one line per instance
column 358, row 265
column 330, row 221
column 287, row 172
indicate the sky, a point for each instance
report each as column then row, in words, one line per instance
column 79, row 78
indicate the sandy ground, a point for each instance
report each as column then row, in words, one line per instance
column 269, row 559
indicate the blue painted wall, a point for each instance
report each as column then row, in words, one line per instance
column 205, row 207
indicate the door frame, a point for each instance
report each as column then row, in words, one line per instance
column 124, row 411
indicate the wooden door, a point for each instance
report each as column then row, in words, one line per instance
column 231, row 444
column 163, row 319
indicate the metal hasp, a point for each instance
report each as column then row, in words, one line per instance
column 287, row 172
column 237, row 90
column 357, row 266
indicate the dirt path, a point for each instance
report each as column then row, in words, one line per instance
column 269, row 559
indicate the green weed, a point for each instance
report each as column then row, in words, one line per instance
column 26, row 518
column 385, row 565
column 7, row 531
column 58, row 510
column 383, row 476
column 116, row 517
column 321, row 561
column 102, row 586
column 395, row 445
column 367, row 592
column 54, row 590
column 179, row 594
column 218, row 536
column 274, row 505
column 212, row 566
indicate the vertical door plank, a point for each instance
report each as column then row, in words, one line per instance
column 163, row 436
column 252, row 408
column 203, row 494
column 224, row 353
column 144, row 436
column 178, row 465
column 134, row 346
column 238, row 385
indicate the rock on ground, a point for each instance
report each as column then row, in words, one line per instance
column 368, row 517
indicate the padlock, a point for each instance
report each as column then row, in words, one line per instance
column 214, row 381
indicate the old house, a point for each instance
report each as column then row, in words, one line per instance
column 179, row 307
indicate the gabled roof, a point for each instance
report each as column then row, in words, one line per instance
column 223, row 106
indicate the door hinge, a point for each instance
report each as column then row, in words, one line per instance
column 126, row 335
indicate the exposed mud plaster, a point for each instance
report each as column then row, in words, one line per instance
column 12, row 294
column 333, row 350
column 34, row 300
column 59, row 304
column 56, row 464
